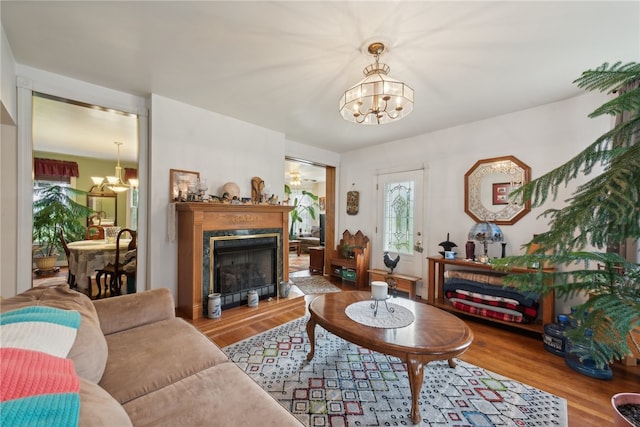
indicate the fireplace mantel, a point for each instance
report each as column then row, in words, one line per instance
column 197, row 217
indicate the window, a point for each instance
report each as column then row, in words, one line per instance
column 398, row 217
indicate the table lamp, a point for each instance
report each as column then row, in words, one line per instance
column 485, row 233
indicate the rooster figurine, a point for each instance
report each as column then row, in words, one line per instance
column 391, row 263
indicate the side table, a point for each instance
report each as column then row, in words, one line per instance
column 316, row 260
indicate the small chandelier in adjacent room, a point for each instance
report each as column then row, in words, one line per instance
column 114, row 183
column 377, row 99
column 295, row 179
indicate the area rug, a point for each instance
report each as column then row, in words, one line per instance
column 298, row 263
column 347, row 385
column 314, row 285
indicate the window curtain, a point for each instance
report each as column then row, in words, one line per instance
column 130, row 173
column 54, row 170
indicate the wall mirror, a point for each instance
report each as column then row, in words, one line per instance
column 487, row 186
column 105, row 204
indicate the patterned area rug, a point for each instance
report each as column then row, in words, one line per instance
column 314, row 285
column 347, row 385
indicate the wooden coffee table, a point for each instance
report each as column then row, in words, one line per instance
column 433, row 335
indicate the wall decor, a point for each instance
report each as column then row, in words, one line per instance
column 353, row 202
column 501, row 193
column 322, row 203
column 179, row 183
column 487, row 186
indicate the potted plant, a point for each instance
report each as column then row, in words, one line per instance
column 54, row 207
column 602, row 213
column 300, row 205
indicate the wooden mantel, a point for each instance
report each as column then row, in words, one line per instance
column 197, row 217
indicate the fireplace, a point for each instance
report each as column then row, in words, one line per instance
column 242, row 262
column 210, row 231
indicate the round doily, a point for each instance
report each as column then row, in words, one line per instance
column 362, row 312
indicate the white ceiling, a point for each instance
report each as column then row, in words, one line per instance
column 284, row 64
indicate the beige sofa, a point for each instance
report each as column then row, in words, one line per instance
column 308, row 240
column 140, row 365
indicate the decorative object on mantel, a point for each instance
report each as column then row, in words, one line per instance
column 447, row 245
column 377, row 99
column 181, row 182
column 390, row 263
column 485, row 233
column 232, row 190
column 353, row 202
column 257, row 187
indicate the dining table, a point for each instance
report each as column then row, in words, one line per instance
column 87, row 256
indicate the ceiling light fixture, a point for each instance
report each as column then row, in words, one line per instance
column 114, row 183
column 377, row 99
column 295, row 179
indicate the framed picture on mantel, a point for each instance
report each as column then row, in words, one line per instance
column 179, row 183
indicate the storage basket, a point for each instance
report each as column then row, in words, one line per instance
column 348, row 274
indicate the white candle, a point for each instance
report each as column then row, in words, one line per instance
column 379, row 290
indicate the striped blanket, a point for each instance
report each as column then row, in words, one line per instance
column 38, row 385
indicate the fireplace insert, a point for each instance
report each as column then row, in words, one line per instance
column 241, row 263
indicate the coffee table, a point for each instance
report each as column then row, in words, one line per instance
column 433, row 335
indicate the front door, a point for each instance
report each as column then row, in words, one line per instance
column 399, row 222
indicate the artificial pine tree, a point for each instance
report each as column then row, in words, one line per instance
column 603, row 212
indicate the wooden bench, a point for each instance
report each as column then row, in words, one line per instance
column 358, row 245
column 402, row 282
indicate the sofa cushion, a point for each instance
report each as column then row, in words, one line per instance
column 222, row 395
column 150, row 357
column 99, row 409
column 89, row 351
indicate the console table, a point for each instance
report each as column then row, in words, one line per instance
column 436, row 295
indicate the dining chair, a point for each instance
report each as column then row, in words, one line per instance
column 71, row 278
column 113, row 273
column 95, row 232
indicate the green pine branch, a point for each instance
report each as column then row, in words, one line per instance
column 603, row 210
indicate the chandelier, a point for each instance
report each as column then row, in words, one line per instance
column 377, row 99
column 295, row 179
column 115, row 183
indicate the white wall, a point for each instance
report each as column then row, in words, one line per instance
column 221, row 149
column 7, row 76
column 8, row 169
column 542, row 137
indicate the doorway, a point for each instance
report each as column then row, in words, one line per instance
column 399, row 214
column 311, row 190
column 67, row 132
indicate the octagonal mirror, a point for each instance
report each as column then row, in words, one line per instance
column 488, row 186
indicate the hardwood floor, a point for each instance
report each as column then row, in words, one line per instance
column 511, row 353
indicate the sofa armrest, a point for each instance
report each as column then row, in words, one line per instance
column 133, row 310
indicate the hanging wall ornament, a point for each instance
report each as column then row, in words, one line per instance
column 353, row 202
